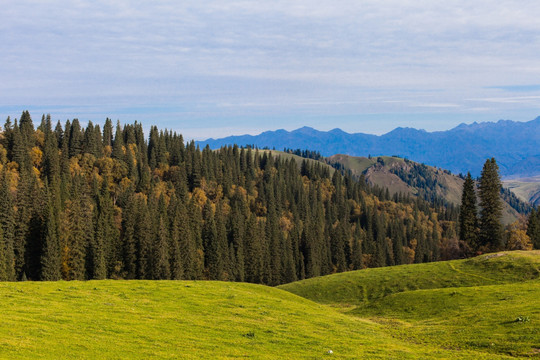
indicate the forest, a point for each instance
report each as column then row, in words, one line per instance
column 82, row 203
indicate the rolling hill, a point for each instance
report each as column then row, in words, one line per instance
column 461, row 149
column 482, row 308
column 488, row 303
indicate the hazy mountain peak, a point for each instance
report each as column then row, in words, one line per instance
column 464, row 148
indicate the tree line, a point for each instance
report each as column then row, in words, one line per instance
column 84, row 203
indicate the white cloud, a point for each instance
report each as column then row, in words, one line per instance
column 325, row 57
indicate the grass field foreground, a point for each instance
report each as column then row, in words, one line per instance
column 187, row 320
column 489, row 303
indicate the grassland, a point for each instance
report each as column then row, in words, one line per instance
column 454, row 310
column 489, row 304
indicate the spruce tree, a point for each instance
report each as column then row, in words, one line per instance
column 107, row 133
column 8, row 224
column 118, row 144
column 128, row 238
column 175, row 258
column 468, row 219
column 533, row 228
column 254, row 251
column 3, row 260
column 161, row 253
column 491, row 228
column 51, row 256
column 213, row 259
column 186, row 243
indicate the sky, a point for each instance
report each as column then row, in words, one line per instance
column 218, row 68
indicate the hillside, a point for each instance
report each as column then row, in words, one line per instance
column 187, row 320
column 461, row 149
column 527, row 189
column 489, row 303
column 404, row 176
column 466, row 309
column 77, row 203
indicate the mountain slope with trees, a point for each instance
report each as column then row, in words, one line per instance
column 403, row 177
column 84, row 203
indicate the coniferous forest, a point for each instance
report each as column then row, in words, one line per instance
column 89, row 203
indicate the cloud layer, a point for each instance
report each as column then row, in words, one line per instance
column 211, row 68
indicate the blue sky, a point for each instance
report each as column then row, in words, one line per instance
column 217, row 68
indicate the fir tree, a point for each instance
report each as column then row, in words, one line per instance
column 213, row 259
column 468, row 219
column 50, row 256
column 533, row 228
column 491, row 229
column 7, row 223
column 107, row 133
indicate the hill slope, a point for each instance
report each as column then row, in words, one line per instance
column 462, row 149
column 403, row 176
column 527, row 189
column 188, row 320
column 466, row 304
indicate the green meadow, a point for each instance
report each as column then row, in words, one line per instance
column 482, row 308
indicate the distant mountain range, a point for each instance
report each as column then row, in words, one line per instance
column 515, row 145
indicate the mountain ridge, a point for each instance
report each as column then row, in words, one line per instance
column 461, row 149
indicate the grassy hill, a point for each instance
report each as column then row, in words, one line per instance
column 298, row 159
column 408, row 177
column 460, row 309
column 527, row 189
column 188, row 320
column 489, row 303
column 405, row 176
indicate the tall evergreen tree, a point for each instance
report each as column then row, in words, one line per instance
column 213, row 259
column 8, row 224
column 533, row 228
column 50, row 256
column 468, row 218
column 161, row 255
column 107, row 133
column 491, row 229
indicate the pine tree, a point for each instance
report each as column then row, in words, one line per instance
column 175, row 258
column 491, row 229
column 76, row 139
column 186, row 243
column 77, row 233
column 143, row 239
column 107, row 133
column 468, row 219
column 118, row 144
column 7, row 223
column 98, row 249
column 128, row 238
column 227, row 258
column 254, row 251
column 533, row 228
column 51, row 256
column 161, row 255
column 213, row 260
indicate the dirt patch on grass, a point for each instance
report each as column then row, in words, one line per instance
column 491, row 256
